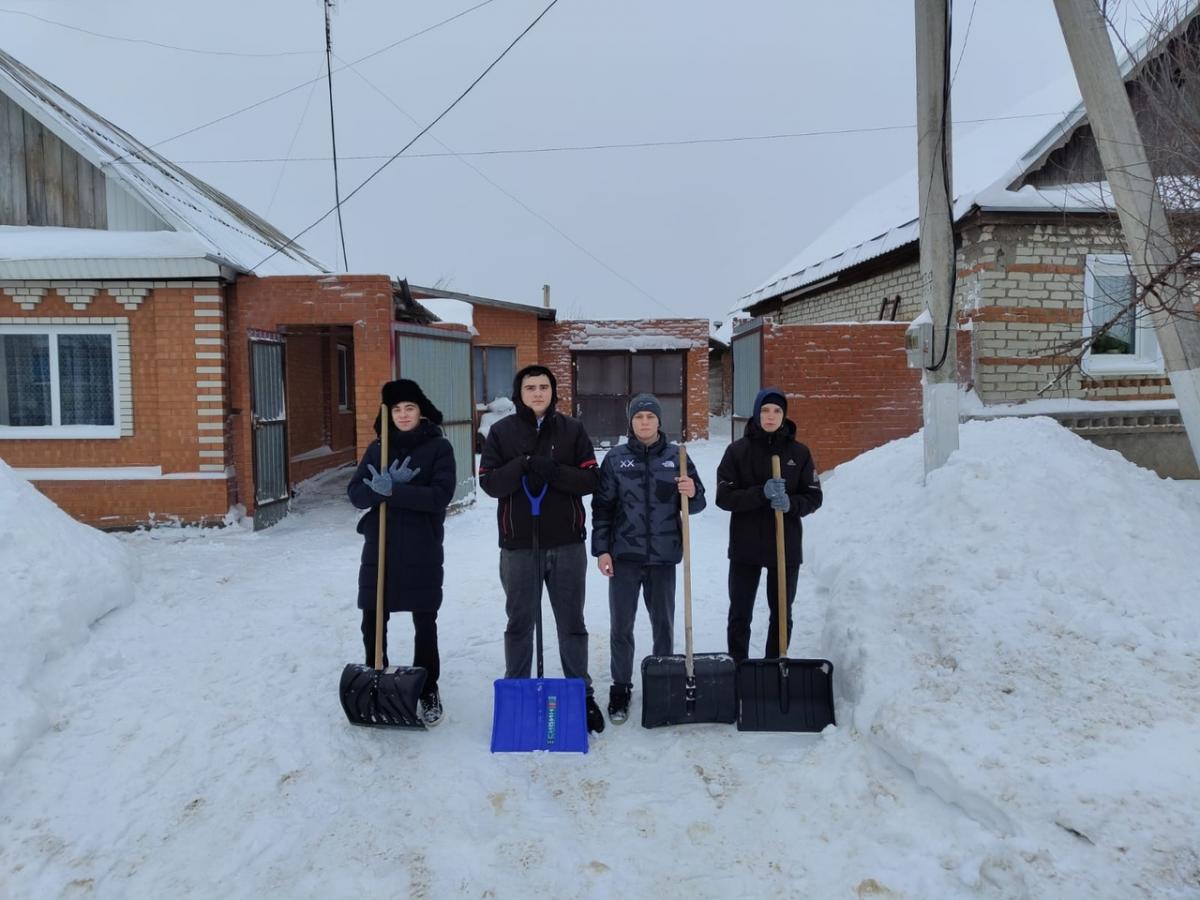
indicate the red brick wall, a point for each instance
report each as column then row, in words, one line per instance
column 361, row 302
column 508, row 328
column 556, row 339
column 342, row 430
column 848, row 386
column 164, row 328
column 307, row 395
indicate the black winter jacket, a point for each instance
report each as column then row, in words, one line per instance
column 416, row 516
column 741, row 475
column 505, row 459
column 636, row 507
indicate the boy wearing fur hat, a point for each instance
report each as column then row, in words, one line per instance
column 637, row 538
column 543, row 448
column 416, row 484
column 746, row 488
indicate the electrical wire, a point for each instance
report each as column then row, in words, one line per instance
column 291, row 146
column 962, row 51
column 304, row 84
column 944, row 150
column 521, row 203
column 129, row 40
column 634, row 145
column 418, row 136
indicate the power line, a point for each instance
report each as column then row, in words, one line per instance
column 129, row 40
column 636, row 145
column 294, row 88
column 533, row 212
column 291, row 146
column 337, row 198
column 963, row 49
column 418, row 136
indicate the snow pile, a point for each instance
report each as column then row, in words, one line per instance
column 1021, row 634
column 496, row 410
column 58, row 577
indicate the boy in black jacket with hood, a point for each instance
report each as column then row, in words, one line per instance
column 551, row 450
column 745, row 488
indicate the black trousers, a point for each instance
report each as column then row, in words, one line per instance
column 425, row 647
column 743, row 590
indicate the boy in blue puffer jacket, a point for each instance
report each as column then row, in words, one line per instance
column 637, row 538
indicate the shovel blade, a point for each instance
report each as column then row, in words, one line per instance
column 540, row 714
column 785, row 694
column 668, row 698
column 383, row 699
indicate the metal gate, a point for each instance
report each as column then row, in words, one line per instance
column 268, row 416
column 440, row 362
column 747, row 372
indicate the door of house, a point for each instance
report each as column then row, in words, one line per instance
column 268, row 416
column 605, row 382
column 440, row 362
column 747, row 372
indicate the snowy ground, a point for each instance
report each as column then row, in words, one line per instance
column 1017, row 685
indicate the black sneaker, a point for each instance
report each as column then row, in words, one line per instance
column 618, row 703
column 595, row 718
column 431, row 709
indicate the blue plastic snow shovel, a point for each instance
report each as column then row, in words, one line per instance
column 539, row 713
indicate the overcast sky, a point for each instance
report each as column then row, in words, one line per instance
column 651, row 231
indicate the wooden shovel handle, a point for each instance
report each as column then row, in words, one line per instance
column 382, row 555
column 687, row 569
column 780, row 567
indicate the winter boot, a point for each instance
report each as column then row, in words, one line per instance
column 595, row 718
column 431, row 708
column 618, row 703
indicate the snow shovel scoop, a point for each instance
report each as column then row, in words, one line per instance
column 539, row 713
column 386, row 698
column 695, row 687
column 784, row 694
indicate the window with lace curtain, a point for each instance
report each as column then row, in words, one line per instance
column 58, row 381
column 1122, row 339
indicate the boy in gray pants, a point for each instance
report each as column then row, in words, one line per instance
column 637, row 538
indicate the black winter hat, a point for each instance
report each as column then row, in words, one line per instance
column 770, row 395
column 644, row 403
column 406, row 390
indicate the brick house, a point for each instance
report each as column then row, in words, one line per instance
column 165, row 353
column 1040, row 263
column 598, row 364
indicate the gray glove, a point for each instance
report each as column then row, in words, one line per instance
column 781, row 502
column 401, row 473
column 775, row 487
column 379, row 482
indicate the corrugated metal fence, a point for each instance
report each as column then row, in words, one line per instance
column 440, row 361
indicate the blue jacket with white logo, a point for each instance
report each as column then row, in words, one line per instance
column 636, row 507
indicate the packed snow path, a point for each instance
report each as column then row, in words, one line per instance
column 198, row 747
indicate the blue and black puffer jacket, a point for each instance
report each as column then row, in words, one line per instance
column 635, row 509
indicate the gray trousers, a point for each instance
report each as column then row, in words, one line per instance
column 657, row 586
column 563, row 570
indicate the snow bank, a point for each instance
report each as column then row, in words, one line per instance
column 1021, row 635
column 57, row 577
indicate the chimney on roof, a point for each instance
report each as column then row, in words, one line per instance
column 546, row 296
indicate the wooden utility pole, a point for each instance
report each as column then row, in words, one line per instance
column 940, row 377
column 1139, row 207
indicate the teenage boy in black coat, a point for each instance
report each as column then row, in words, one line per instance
column 547, row 449
column 746, row 489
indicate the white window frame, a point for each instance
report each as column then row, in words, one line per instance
column 1147, row 360
column 343, row 358
column 55, row 430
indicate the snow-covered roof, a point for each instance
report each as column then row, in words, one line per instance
column 983, row 170
column 229, row 231
column 45, row 253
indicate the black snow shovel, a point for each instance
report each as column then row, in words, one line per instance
column 386, row 698
column 695, row 687
column 784, row 694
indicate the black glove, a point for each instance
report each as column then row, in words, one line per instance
column 544, row 469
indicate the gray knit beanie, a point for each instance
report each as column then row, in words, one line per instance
column 645, row 403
